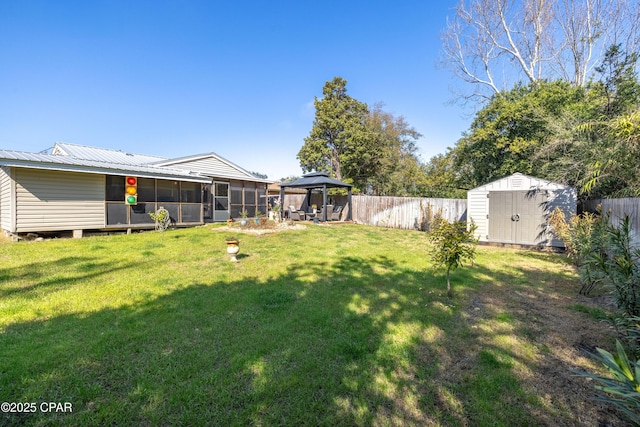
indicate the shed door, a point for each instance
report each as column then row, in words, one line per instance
column 516, row 216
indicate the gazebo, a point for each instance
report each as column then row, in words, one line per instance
column 317, row 181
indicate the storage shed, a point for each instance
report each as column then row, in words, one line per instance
column 514, row 209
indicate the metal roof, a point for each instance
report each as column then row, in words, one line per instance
column 68, row 163
column 316, row 180
column 103, row 154
column 81, row 158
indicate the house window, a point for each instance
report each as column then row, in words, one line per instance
column 236, row 199
column 262, row 199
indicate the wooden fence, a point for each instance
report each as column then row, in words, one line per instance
column 410, row 213
column 618, row 209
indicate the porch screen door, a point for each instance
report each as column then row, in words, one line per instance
column 220, row 201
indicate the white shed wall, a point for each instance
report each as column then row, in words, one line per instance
column 55, row 200
column 7, row 208
column 477, row 210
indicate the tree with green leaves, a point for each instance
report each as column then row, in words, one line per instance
column 260, row 175
column 442, row 178
column 394, row 166
column 511, row 132
column 612, row 136
column 339, row 139
column 371, row 149
column 588, row 137
column 618, row 85
column 452, row 243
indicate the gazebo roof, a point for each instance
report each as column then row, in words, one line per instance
column 316, row 180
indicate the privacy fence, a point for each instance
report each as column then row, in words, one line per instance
column 618, row 209
column 415, row 213
column 410, row 213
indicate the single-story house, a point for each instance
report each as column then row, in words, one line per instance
column 77, row 188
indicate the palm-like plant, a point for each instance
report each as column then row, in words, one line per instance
column 623, row 390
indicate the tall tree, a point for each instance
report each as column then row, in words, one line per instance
column 494, row 43
column 394, row 166
column 618, row 84
column 373, row 150
column 605, row 143
column 508, row 133
column 339, row 134
column 587, row 137
column 444, row 177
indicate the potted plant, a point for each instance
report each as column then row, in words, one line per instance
column 275, row 210
column 244, row 214
column 233, row 247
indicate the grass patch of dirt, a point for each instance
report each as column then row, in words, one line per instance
column 546, row 341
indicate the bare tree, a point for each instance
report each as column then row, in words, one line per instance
column 493, row 43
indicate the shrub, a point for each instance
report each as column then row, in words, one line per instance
column 623, row 390
column 622, row 268
column 584, row 237
column 161, row 218
column 628, row 329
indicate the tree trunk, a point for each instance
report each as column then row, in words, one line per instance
column 448, row 283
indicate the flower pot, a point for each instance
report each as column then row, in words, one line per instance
column 233, row 247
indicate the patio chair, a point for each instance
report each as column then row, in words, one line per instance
column 296, row 214
column 329, row 213
column 336, row 214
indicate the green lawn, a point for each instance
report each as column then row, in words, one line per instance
column 331, row 325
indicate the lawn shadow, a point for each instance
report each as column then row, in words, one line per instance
column 352, row 341
column 39, row 280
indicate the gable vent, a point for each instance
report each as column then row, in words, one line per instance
column 516, row 182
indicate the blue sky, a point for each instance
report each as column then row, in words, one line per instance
column 238, row 78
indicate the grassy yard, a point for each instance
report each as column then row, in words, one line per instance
column 330, row 325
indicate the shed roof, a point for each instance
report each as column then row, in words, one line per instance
column 316, row 180
column 520, row 181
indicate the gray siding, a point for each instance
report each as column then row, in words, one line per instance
column 6, row 201
column 213, row 167
column 55, row 200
